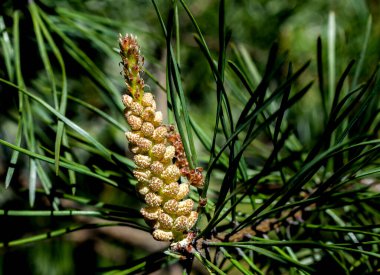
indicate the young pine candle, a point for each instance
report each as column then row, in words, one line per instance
column 167, row 210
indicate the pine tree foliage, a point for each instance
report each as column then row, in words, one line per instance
column 289, row 150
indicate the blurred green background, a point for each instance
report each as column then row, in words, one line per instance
column 94, row 27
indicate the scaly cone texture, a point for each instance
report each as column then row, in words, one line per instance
column 167, row 210
column 194, row 176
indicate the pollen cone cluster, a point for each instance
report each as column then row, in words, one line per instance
column 167, row 210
